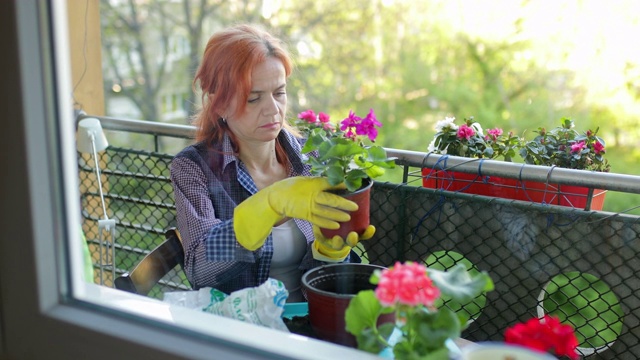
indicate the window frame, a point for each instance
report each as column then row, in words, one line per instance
column 39, row 198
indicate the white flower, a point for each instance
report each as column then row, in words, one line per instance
column 432, row 146
column 478, row 128
column 446, row 123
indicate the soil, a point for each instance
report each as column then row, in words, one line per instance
column 300, row 325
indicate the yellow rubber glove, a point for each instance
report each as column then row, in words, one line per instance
column 297, row 197
column 336, row 249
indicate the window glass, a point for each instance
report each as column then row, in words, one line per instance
column 43, row 294
column 414, row 61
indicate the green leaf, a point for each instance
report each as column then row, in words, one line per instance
column 377, row 153
column 335, row 174
column 432, row 329
column 347, row 149
column 362, row 312
column 459, row 284
column 374, row 171
column 369, row 341
column 437, row 354
column 361, row 317
column 308, row 147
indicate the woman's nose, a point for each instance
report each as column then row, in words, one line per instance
column 271, row 107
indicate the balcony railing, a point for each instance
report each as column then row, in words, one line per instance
column 580, row 265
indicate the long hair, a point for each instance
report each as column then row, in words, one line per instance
column 225, row 74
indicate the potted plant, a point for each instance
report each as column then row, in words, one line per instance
column 567, row 148
column 345, row 154
column 469, row 140
column 562, row 147
column 411, row 292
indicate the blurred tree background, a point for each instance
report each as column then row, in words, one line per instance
column 518, row 65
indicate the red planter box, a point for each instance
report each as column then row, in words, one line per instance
column 543, row 193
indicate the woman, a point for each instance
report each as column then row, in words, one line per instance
column 245, row 201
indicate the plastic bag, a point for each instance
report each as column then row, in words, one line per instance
column 262, row 305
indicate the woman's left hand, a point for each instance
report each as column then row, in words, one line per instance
column 336, row 249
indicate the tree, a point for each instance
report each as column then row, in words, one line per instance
column 129, row 64
column 141, row 43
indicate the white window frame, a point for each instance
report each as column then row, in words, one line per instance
column 38, row 317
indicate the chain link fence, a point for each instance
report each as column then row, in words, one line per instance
column 581, row 266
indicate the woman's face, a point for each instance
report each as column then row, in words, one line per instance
column 266, row 105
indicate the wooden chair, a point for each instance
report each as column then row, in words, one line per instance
column 154, row 266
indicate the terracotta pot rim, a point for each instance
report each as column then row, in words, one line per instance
column 308, row 287
column 366, row 184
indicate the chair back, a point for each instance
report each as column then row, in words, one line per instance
column 154, row 266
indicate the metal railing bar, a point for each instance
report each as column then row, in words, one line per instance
column 157, row 154
column 128, row 174
column 599, row 180
column 143, row 126
column 131, row 199
column 128, row 224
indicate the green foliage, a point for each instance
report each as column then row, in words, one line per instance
column 413, row 69
column 469, row 140
column 564, row 147
column 459, row 284
column 443, row 260
column 342, row 157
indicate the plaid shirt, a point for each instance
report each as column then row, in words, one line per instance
column 208, row 183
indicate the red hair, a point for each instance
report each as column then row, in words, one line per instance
column 225, row 74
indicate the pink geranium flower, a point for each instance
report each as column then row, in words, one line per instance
column 343, row 155
column 465, row 132
column 348, row 125
column 414, row 294
column 367, row 126
column 308, row 116
column 324, row 118
column 406, row 284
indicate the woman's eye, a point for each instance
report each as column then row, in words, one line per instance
column 254, row 100
column 281, row 93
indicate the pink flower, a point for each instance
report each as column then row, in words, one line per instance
column 324, row 118
column 598, row 148
column 577, row 147
column 465, row 132
column 308, row 116
column 406, row 284
column 545, row 334
column 493, row 134
column 368, row 126
column 349, row 124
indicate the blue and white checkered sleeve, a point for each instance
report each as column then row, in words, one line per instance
column 222, row 245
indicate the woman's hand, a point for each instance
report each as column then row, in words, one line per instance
column 297, row 197
column 337, row 249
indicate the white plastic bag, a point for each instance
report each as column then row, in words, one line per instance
column 262, row 305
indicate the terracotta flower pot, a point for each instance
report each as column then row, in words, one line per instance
column 329, row 289
column 507, row 188
column 359, row 218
